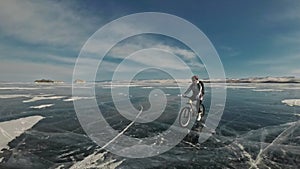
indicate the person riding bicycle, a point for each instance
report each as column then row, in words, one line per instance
column 197, row 87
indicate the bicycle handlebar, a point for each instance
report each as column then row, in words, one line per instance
column 184, row 96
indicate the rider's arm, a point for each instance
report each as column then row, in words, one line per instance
column 202, row 87
column 188, row 90
column 199, row 95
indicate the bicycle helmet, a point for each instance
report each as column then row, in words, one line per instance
column 195, row 77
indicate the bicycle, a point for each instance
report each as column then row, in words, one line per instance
column 188, row 111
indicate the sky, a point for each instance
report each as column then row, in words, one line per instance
column 43, row 39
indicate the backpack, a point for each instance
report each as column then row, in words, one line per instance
column 202, row 85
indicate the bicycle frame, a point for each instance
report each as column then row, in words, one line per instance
column 189, row 111
column 192, row 106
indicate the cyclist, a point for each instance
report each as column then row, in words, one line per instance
column 197, row 87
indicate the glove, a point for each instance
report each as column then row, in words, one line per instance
column 201, row 97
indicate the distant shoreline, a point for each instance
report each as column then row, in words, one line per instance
column 164, row 81
column 242, row 80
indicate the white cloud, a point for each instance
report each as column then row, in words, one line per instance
column 295, row 72
column 111, row 34
column 19, row 53
column 48, row 32
column 157, row 57
column 184, row 53
column 128, row 48
column 28, row 71
column 43, row 22
column 97, row 45
column 284, row 11
column 152, row 58
column 277, row 60
column 290, row 11
column 56, row 25
column 139, row 60
column 278, row 65
column 288, row 38
column 284, row 18
column 229, row 51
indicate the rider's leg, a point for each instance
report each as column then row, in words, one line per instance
column 202, row 115
column 202, row 112
column 200, row 119
column 199, row 111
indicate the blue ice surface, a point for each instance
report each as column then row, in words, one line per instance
column 256, row 128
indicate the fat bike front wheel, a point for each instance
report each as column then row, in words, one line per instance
column 185, row 116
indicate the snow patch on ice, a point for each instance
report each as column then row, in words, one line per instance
column 43, row 97
column 41, row 106
column 18, row 88
column 147, row 87
column 267, row 90
column 77, row 98
column 92, row 161
column 9, row 130
column 172, row 87
column 240, row 87
column 11, row 96
column 291, row 102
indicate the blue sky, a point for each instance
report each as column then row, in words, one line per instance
column 42, row 39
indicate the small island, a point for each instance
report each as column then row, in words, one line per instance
column 48, row 81
column 44, row 81
column 79, row 81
